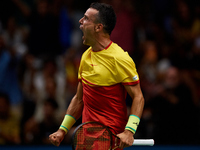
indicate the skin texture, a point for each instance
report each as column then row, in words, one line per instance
column 95, row 36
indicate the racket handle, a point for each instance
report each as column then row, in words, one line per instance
column 140, row 142
column 144, row 142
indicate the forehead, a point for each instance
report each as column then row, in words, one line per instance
column 91, row 12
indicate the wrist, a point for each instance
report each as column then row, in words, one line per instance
column 132, row 123
column 129, row 132
column 61, row 131
column 67, row 123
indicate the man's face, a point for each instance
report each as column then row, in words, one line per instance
column 87, row 25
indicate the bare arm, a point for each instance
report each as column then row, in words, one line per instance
column 75, row 109
column 76, row 106
column 137, row 97
column 126, row 137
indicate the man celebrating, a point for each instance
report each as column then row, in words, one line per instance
column 106, row 74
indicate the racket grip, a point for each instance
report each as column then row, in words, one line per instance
column 144, row 142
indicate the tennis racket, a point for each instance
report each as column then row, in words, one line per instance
column 96, row 136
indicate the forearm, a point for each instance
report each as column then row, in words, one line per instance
column 137, row 99
column 75, row 108
column 137, row 106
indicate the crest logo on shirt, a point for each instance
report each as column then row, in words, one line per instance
column 135, row 77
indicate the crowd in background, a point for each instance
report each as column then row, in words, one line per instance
column 41, row 47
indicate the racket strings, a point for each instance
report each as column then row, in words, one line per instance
column 92, row 137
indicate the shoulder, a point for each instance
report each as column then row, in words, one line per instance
column 119, row 54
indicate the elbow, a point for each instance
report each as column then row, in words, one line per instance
column 142, row 103
column 140, row 100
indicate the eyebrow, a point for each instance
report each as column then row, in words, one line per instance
column 85, row 16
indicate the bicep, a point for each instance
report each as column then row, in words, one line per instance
column 79, row 92
column 134, row 90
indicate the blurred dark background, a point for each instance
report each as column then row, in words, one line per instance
column 40, row 51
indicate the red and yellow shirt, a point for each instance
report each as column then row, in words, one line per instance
column 103, row 75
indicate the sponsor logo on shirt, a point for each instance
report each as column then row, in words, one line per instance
column 93, row 65
column 135, row 78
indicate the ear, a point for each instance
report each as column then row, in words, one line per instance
column 98, row 27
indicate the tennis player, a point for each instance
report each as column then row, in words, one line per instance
column 106, row 74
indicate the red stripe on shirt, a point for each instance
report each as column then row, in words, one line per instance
column 131, row 83
column 105, row 47
column 108, row 45
column 88, row 82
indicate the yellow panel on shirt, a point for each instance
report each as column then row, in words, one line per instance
column 107, row 67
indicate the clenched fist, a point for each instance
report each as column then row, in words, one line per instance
column 126, row 139
column 57, row 137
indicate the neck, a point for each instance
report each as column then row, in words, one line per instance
column 101, row 43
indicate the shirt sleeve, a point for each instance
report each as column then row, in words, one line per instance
column 127, row 73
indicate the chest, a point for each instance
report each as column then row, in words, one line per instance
column 99, row 69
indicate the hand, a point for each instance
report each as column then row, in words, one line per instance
column 126, row 139
column 57, row 137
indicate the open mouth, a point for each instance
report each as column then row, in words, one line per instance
column 81, row 27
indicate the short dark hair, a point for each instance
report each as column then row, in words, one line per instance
column 106, row 16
